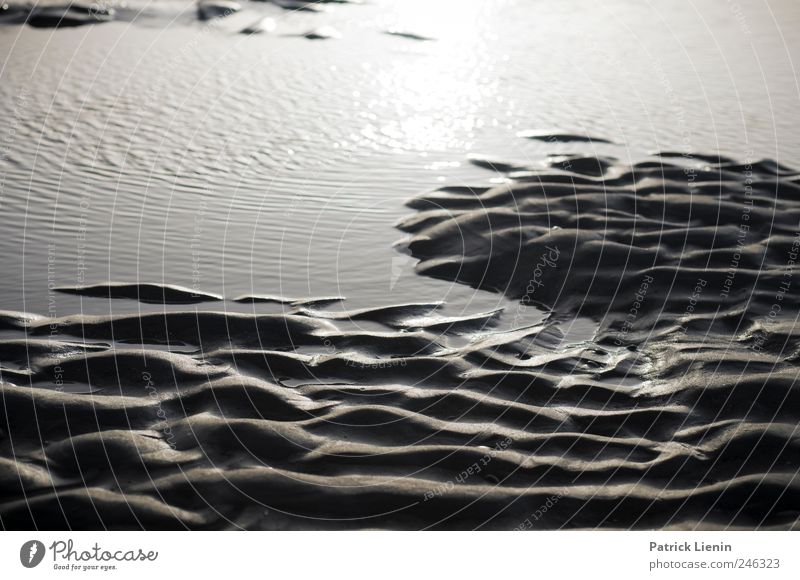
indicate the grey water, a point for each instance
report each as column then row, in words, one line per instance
column 164, row 149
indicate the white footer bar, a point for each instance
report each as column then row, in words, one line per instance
column 389, row 555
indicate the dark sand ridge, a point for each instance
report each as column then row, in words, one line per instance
column 143, row 292
column 55, row 15
column 603, row 232
column 58, row 14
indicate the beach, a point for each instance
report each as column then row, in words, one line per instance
column 404, row 266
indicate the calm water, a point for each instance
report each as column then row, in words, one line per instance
column 170, row 150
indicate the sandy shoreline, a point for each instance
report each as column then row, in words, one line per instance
column 678, row 413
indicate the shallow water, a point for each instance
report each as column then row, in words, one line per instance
column 186, row 153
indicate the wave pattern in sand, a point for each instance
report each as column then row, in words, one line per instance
column 681, row 411
column 304, row 420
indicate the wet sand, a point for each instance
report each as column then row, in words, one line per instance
column 679, row 411
column 628, row 359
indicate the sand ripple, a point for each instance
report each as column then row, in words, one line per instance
column 217, row 420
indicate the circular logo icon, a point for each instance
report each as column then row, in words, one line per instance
column 31, row 553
